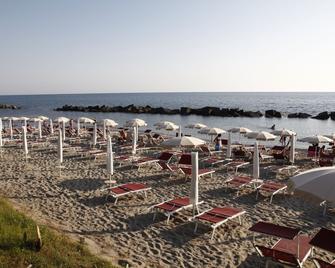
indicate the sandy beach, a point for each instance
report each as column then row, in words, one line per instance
column 71, row 201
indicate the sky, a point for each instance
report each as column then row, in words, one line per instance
column 84, row 46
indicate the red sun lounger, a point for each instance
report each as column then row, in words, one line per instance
column 235, row 165
column 324, row 239
column 292, row 249
column 270, row 188
column 185, row 165
column 126, row 189
column 164, row 156
column 217, row 216
column 239, row 182
column 172, row 206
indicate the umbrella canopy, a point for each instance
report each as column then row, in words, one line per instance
column 196, row 125
column 42, row 117
column 255, row 169
column 23, row 118
column 194, row 194
column 110, row 123
column 86, row 120
column 316, row 139
column 283, row 132
column 265, row 136
column 216, row 131
column 35, row 119
column 163, row 124
column 241, row 130
column 136, row 122
column 317, row 184
column 62, row 119
column 13, row 118
column 171, row 127
column 204, row 130
column 251, row 135
column 183, row 141
column 331, row 136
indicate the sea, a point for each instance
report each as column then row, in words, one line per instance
column 311, row 102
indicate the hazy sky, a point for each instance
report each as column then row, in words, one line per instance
column 174, row 45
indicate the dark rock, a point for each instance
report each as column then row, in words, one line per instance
column 332, row 115
column 298, row 115
column 252, row 114
column 322, row 116
column 185, row 110
column 272, row 113
column 9, row 106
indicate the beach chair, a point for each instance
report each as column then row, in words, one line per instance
column 126, row 189
column 170, row 207
column 185, row 165
column 239, row 182
column 235, row 165
column 213, row 160
column 324, row 239
column 207, row 151
column 215, row 217
column 163, row 157
column 326, row 160
column 270, row 188
column 292, row 249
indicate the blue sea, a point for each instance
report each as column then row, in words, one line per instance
column 313, row 103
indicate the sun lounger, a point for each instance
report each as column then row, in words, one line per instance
column 126, row 189
column 235, row 165
column 292, row 249
column 215, row 217
column 213, row 160
column 324, row 239
column 239, row 182
column 185, row 165
column 164, row 157
column 270, row 188
column 172, row 206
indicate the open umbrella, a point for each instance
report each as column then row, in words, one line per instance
column 316, row 139
column 110, row 123
column 136, row 122
column 183, row 142
column 62, row 119
column 42, row 117
column 331, row 136
column 283, row 132
column 265, row 136
column 86, row 120
column 251, row 135
column 204, row 130
column 194, row 195
column 163, row 124
column 215, row 131
column 241, row 130
column 196, row 125
column 24, row 119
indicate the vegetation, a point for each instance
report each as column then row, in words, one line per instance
column 19, row 247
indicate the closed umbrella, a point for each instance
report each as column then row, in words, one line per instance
column 229, row 146
column 179, row 132
column 1, row 144
column 110, row 156
column 94, row 136
column 194, row 196
column 104, row 131
column 40, row 129
column 255, row 169
column 292, row 149
column 64, row 130
column 183, row 142
column 51, row 126
column 11, row 129
column 60, row 146
column 25, row 143
column 78, row 126
column 133, row 151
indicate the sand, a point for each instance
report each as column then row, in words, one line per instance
column 70, row 200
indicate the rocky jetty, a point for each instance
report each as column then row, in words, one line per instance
column 9, row 106
column 204, row 111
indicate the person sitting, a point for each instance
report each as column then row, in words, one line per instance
column 217, row 141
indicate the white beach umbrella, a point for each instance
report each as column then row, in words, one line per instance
column 133, row 151
column 60, row 146
column 64, row 130
column 183, row 141
column 62, row 119
column 110, row 156
column 51, row 126
column 317, row 184
column 40, row 129
column 171, row 127
column 163, row 124
column 241, row 130
column 42, row 117
column 94, row 136
column 1, row 142
column 292, row 149
column 110, row 123
column 331, row 136
column 251, row 135
column 283, row 132
column 215, row 131
column 136, row 122
column 265, row 136
column 229, row 146
column 255, row 169
column 204, row 130
column 35, row 119
column 316, row 139
column 86, row 120
column 196, row 125
column 25, row 143
column 194, row 195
